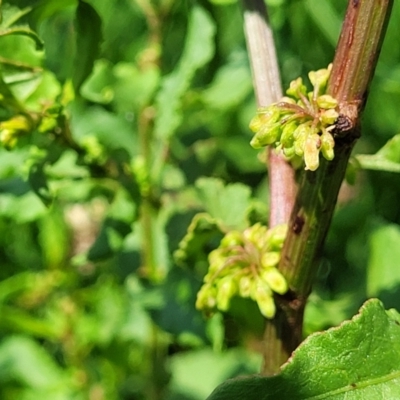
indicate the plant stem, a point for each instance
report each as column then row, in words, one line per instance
column 267, row 86
column 353, row 68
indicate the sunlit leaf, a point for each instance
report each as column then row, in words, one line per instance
column 198, row 50
column 358, row 360
column 386, row 159
column 227, row 204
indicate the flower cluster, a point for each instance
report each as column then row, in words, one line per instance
column 245, row 265
column 300, row 124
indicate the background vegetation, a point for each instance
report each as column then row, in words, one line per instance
column 138, row 117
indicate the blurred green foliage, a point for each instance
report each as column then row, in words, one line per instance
column 133, row 117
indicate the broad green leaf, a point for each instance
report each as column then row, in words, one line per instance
column 359, row 360
column 386, row 159
column 222, row 94
column 227, row 204
column 88, row 28
column 198, row 50
column 134, row 88
column 98, row 88
column 383, row 264
column 21, row 209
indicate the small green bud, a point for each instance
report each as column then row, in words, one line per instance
column 275, row 280
column 206, row 298
column 296, row 87
column 311, row 152
column 327, row 145
column 263, row 296
column 287, row 133
column 270, row 259
column 278, row 236
column 326, row 102
column 246, row 285
column 232, row 238
column 329, row 117
column 300, row 136
column 265, row 116
column 226, row 289
column 267, row 134
column 289, row 152
column 216, row 259
column 320, row 78
column 256, row 234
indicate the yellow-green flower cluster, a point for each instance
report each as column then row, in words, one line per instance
column 300, row 124
column 245, row 265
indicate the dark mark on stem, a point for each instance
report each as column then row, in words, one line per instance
column 298, row 225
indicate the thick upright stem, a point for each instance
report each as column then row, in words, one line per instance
column 353, row 67
column 267, row 86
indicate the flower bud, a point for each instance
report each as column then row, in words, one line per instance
column 206, row 298
column 267, row 134
column 320, row 78
column 270, row 259
column 278, row 236
column 275, row 280
column 326, row 102
column 329, row 117
column 265, row 116
column 246, row 285
column 289, row 152
column 311, row 152
column 296, row 87
column 327, row 145
column 232, row 238
column 226, row 289
column 287, row 133
column 263, row 296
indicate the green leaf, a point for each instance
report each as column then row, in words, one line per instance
column 24, row 32
column 199, row 48
column 227, row 204
column 222, row 94
column 358, row 360
column 386, row 159
column 383, row 265
column 88, row 28
column 24, row 360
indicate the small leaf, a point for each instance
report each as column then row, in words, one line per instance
column 358, row 360
column 386, row 159
column 227, row 204
column 383, row 271
column 88, row 28
column 199, row 48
